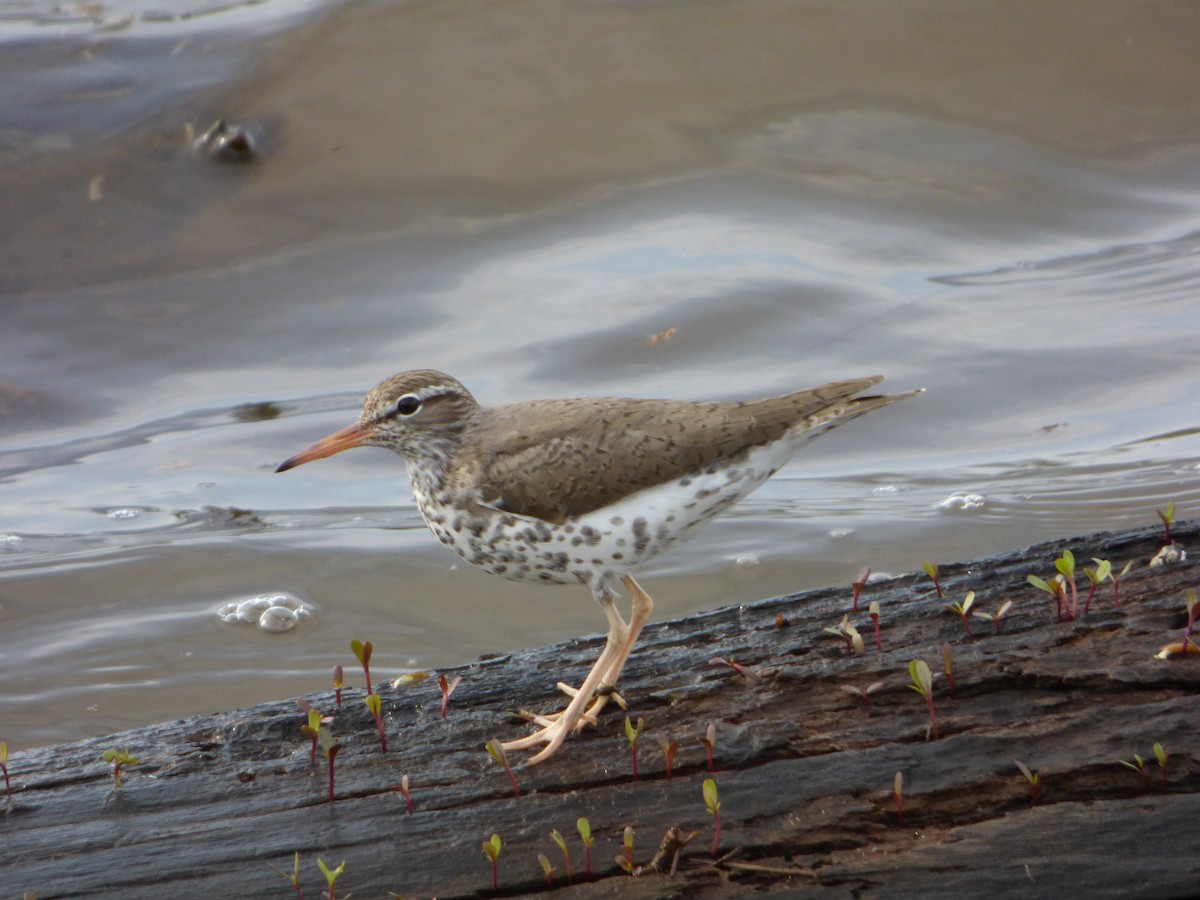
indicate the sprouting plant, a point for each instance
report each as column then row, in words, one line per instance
column 585, row 834
column 313, row 725
column 948, row 668
column 1055, row 587
column 625, row 857
column 780, row 621
column 363, row 652
column 709, row 791
column 115, row 758
column 848, row 633
column 311, row 728
column 375, row 706
column 736, row 666
column 1113, row 576
column 1161, row 756
column 669, row 749
column 1095, row 578
column 710, row 742
column 547, row 869
column 447, row 689
column 873, row 612
column 491, row 849
column 292, row 876
column 1034, row 781
column 337, row 686
column 4, row 768
column 1193, row 607
column 1066, row 568
column 961, row 609
column 330, row 749
column 631, row 734
column 931, row 570
column 403, row 789
column 863, row 694
column 859, row 583
column 331, row 875
column 898, row 793
column 557, row 837
column 408, row 679
column 1168, row 519
column 1138, row 765
column 496, row 749
column 999, row 614
column 922, row 683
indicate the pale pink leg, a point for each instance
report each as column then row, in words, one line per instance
column 603, row 675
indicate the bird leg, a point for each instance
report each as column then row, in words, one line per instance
column 600, row 680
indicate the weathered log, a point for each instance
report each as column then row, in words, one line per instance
column 804, row 769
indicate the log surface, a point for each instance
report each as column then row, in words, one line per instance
column 804, row 769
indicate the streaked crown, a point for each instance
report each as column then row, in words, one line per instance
column 419, row 414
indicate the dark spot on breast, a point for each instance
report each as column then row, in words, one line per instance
column 616, row 520
column 590, row 534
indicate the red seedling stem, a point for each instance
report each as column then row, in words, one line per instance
column 333, row 752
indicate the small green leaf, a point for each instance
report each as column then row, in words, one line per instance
column 585, row 831
column 497, row 751
column 1039, row 583
column 557, row 837
column 709, row 790
column 1160, row 754
column 930, row 569
column 362, row 651
column 374, row 704
column 1030, row 776
column 331, row 876
column 491, row 847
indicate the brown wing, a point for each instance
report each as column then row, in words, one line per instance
column 557, row 459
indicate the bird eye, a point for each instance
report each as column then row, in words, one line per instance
column 408, row 404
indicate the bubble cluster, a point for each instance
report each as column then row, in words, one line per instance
column 275, row 613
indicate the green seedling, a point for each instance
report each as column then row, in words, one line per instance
column 293, row 876
column 313, row 726
column 922, row 683
column 931, row 570
column 585, row 835
column 331, row 875
column 855, row 645
column 1193, row 607
column 625, row 857
column 1066, row 568
column 447, row 689
column 736, row 666
column 496, row 749
column 4, row 768
column 337, row 686
column 1168, row 519
column 363, row 652
column 863, row 694
column 1055, row 587
column 1095, row 578
column 1161, row 756
column 330, row 749
column 898, row 793
column 491, row 849
column 375, row 707
column 873, row 612
column 669, row 749
column 547, row 869
column 948, row 668
column 117, row 759
column 860, row 583
column 403, row 790
column 1138, row 765
column 1113, row 576
column 1034, row 781
column 557, row 837
column 961, row 610
column 408, row 679
column 710, row 742
column 999, row 614
column 709, row 792
column 631, row 734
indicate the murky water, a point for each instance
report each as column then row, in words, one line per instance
column 1001, row 206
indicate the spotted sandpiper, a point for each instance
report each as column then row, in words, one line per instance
column 583, row 490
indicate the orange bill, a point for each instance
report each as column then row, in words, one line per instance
column 335, row 443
